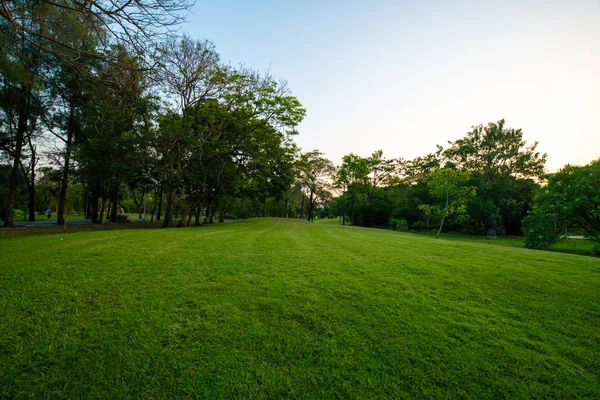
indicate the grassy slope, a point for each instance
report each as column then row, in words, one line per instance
column 278, row 308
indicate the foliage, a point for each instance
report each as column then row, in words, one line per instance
column 498, row 158
column 571, row 199
column 352, row 178
column 134, row 24
column 451, row 186
column 315, row 173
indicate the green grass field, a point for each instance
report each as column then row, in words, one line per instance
column 271, row 308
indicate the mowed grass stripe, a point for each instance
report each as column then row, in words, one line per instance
column 278, row 308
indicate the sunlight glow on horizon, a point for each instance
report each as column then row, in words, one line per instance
column 405, row 76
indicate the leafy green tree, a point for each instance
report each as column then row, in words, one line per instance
column 498, row 158
column 108, row 139
column 451, row 186
column 352, row 177
column 20, row 93
column 315, row 175
column 382, row 171
column 570, row 199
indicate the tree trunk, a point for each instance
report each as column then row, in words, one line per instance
column 287, row 206
column 30, row 179
column 371, row 217
column 113, row 200
column 31, row 202
column 222, row 212
column 311, row 205
column 102, row 205
column 94, row 208
column 187, row 215
column 140, row 207
column 154, row 207
column 160, row 200
column 353, row 209
column 14, row 173
column 198, row 210
column 443, row 216
column 207, row 213
column 62, row 198
column 168, row 222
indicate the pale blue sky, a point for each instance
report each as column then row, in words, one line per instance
column 404, row 76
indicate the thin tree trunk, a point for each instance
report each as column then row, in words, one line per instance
column 31, row 202
column 140, row 207
column 102, row 205
column 62, row 198
column 187, row 215
column 154, row 207
column 443, row 216
column 222, row 212
column 207, row 213
column 311, row 205
column 14, row 173
column 30, row 179
column 353, row 209
column 160, row 201
column 198, row 210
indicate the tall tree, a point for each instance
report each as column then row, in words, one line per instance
column 352, row 177
column 20, row 90
column 110, row 127
column 132, row 24
column 191, row 73
column 316, row 176
column 382, row 171
column 499, row 158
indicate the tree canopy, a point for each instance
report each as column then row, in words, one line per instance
column 571, row 199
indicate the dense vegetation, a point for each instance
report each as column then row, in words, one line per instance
column 241, row 310
column 104, row 111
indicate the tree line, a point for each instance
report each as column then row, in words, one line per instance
column 127, row 109
column 102, row 106
column 488, row 182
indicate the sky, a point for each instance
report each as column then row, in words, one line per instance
column 403, row 76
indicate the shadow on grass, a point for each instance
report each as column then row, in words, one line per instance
column 22, row 231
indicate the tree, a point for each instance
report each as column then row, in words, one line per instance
column 351, row 177
column 315, row 174
column 499, row 159
column 570, row 199
column 382, row 171
column 190, row 74
column 132, row 24
column 20, row 95
column 110, row 124
column 451, row 186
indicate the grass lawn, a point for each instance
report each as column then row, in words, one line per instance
column 270, row 308
column 573, row 246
